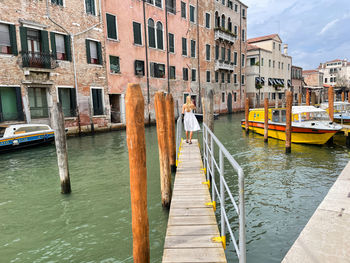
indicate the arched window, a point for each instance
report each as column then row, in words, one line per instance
column 151, row 33
column 160, row 35
column 229, row 24
column 217, row 19
column 223, row 21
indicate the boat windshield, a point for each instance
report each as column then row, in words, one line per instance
column 342, row 108
column 31, row 129
column 2, row 131
column 313, row 116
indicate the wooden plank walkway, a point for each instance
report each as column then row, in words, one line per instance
column 192, row 223
column 326, row 237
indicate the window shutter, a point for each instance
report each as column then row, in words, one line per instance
column 13, row 39
column 111, row 26
column 20, row 115
column 44, row 35
column 61, row 2
column 53, row 44
column 152, row 69
column 99, row 53
column 137, row 33
column 67, row 44
column 73, row 101
column 88, row 55
column 95, row 101
column 24, row 45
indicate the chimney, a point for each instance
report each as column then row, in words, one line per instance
column 285, row 48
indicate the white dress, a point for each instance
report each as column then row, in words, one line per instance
column 190, row 122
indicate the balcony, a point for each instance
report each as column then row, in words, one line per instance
column 252, row 70
column 38, row 60
column 223, row 65
column 225, row 35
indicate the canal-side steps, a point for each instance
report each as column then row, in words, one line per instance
column 192, row 224
column 326, row 237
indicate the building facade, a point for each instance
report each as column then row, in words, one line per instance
column 297, row 82
column 314, row 85
column 53, row 51
column 268, row 69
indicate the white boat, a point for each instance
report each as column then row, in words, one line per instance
column 24, row 135
column 341, row 111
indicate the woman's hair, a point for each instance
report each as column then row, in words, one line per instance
column 189, row 104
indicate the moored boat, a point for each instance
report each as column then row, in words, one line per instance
column 24, row 135
column 341, row 111
column 310, row 125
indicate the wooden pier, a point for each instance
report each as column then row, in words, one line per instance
column 326, row 237
column 192, row 224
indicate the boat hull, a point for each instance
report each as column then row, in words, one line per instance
column 299, row 134
column 24, row 141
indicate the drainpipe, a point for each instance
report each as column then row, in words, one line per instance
column 259, row 75
column 240, row 53
column 199, row 66
column 147, row 70
column 167, row 44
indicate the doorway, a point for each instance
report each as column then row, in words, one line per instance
column 229, row 102
column 115, row 108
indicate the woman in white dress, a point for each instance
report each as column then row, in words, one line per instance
column 190, row 120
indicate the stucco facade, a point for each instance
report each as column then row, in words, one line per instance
column 297, row 82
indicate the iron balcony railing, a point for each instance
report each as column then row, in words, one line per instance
column 38, row 60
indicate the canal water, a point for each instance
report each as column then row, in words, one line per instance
column 93, row 224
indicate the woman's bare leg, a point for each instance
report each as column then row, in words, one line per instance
column 186, row 136
column 191, row 137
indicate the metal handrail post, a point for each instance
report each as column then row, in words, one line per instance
column 212, row 168
column 242, row 237
column 206, row 147
column 222, row 193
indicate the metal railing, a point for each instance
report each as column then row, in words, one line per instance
column 38, row 60
column 212, row 166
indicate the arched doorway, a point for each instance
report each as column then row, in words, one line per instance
column 229, row 102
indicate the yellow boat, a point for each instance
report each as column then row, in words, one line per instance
column 310, row 125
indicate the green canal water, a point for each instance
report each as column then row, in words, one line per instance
column 93, row 224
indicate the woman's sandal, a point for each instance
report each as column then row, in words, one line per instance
column 190, row 142
column 186, row 141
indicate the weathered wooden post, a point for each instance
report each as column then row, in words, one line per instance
column 307, row 97
column 165, row 173
column 289, row 121
column 299, row 99
column 246, row 115
column 61, row 147
column 349, row 96
column 208, row 106
column 343, row 96
column 91, row 113
column 266, row 120
column 313, row 98
column 331, row 103
column 135, row 135
column 169, row 104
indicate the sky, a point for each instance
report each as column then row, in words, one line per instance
column 316, row 31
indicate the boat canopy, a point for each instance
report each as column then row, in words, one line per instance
column 302, row 109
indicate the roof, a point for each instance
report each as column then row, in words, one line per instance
column 301, row 109
column 310, row 71
column 263, row 38
column 251, row 47
column 296, row 67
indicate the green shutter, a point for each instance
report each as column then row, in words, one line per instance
column 53, row 44
column 73, row 101
column 67, row 44
column 19, row 104
column 13, row 40
column 88, row 55
column 99, row 53
column 111, row 26
column 137, row 33
column 45, row 49
column 24, row 46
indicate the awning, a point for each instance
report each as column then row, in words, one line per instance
column 257, row 80
column 262, row 79
column 289, row 83
column 282, row 80
column 270, row 81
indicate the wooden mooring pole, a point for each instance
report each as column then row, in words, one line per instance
column 169, row 104
column 331, row 102
column 307, row 97
column 208, row 106
column 299, row 99
column 266, row 120
column 313, row 98
column 343, row 96
column 289, row 121
column 246, row 115
column 61, row 147
column 135, row 135
column 165, row 173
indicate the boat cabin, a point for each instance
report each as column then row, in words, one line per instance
column 20, row 129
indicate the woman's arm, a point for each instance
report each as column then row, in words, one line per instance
column 183, row 109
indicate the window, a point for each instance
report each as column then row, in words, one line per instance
column 282, row 65
column 274, row 45
column 331, row 79
column 273, row 64
column 8, row 43
column 93, row 52
column 171, row 6
column 223, row 53
column 279, row 65
column 139, row 68
column 90, row 7
column 207, row 20
column 208, row 76
column 158, row 3
column 184, row 46
column 229, row 77
column 207, row 52
column 185, row 96
column 137, row 33
column 216, row 76
column 111, row 26
column 192, row 13
column 235, row 30
column 335, row 79
column 67, row 98
column 160, row 36
column 183, row 9
column 185, row 74
column 38, row 103
column 60, row 45
column 243, row 35
column 325, row 80
column 235, row 97
column 57, row 2
column 269, row 63
column 235, row 78
column 216, row 52
column 279, row 47
column 243, row 12
column 262, row 62
column 193, row 74
column 10, row 104
column 172, row 72
column 223, row 97
column 171, row 43
column 243, row 81
column 97, row 101
column 193, row 48
column 157, row 70
column 228, row 55
column 243, row 60
column 288, row 67
column 236, row 8
column 114, row 64
column 151, row 33
column 235, row 58
column 222, row 77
